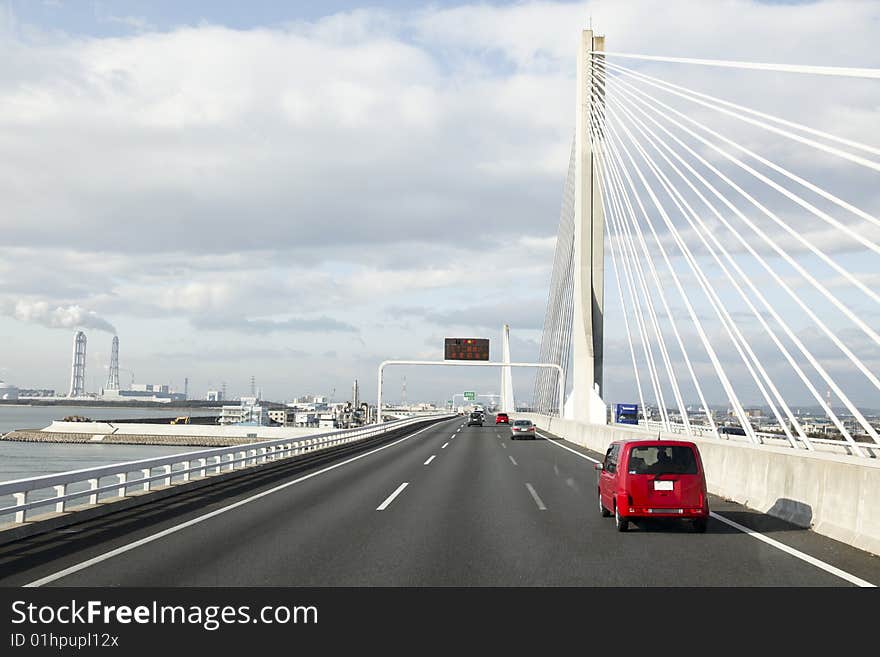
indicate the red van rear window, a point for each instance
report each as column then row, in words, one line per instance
column 662, row 459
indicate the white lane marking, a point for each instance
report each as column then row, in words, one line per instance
column 537, row 499
column 504, row 446
column 552, row 441
column 828, row 568
column 195, row 521
column 457, row 430
column 390, row 498
column 756, row 535
column 512, row 460
column 430, row 459
column 444, row 445
column 452, row 436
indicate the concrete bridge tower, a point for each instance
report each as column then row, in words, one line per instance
column 585, row 402
column 507, row 401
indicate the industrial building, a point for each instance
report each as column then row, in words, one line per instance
column 250, row 412
column 8, row 391
column 78, row 366
column 286, row 417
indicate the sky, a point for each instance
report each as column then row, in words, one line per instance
column 296, row 191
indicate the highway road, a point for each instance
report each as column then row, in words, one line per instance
column 449, row 505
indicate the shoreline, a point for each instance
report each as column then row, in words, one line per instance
column 71, row 438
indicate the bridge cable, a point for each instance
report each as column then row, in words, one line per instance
column 637, row 311
column 838, row 71
column 719, row 103
column 631, row 215
column 652, row 140
column 623, row 306
column 782, row 253
column 775, row 218
column 754, row 289
column 616, row 180
column 698, row 325
column 623, row 229
column 708, row 290
column 749, row 358
column 781, row 170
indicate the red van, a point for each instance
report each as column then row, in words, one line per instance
column 653, row 479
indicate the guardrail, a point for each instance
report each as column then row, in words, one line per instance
column 91, row 483
column 870, row 450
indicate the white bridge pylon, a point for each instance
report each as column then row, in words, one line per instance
column 737, row 277
column 507, row 401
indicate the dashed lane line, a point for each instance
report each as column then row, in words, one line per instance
column 390, row 498
column 189, row 523
column 535, row 497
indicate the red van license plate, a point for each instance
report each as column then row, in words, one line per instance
column 666, row 511
column 663, row 485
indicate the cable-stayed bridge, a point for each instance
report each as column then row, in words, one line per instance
column 736, row 278
column 732, row 270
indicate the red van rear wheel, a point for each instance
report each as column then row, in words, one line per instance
column 621, row 523
column 605, row 512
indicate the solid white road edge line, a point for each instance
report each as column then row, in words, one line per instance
column 195, row 521
column 573, row 451
column 756, row 535
column 390, row 498
column 828, row 568
column 537, row 499
column 430, row 459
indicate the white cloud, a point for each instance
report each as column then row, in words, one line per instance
column 68, row 317
column 272, row 175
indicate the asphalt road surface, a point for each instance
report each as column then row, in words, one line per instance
column 450, row 505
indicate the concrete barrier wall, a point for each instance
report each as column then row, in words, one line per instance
column 836, row 495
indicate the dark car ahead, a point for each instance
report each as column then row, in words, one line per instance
column 475, row 419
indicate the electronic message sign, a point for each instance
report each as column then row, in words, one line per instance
column 466, row 349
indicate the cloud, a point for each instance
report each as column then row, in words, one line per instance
column 137, row 23
column 526, row 314
column 231, row 354
column 373, row 159
column 69, row 317
column 264, row 326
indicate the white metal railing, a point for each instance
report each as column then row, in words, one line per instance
column 91, row 483
column 871, row 450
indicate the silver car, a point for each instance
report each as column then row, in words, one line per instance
column 522, row 429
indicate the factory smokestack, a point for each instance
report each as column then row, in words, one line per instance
column 78, row 366
column 113, row 376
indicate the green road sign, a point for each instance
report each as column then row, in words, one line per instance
column 469, row 395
